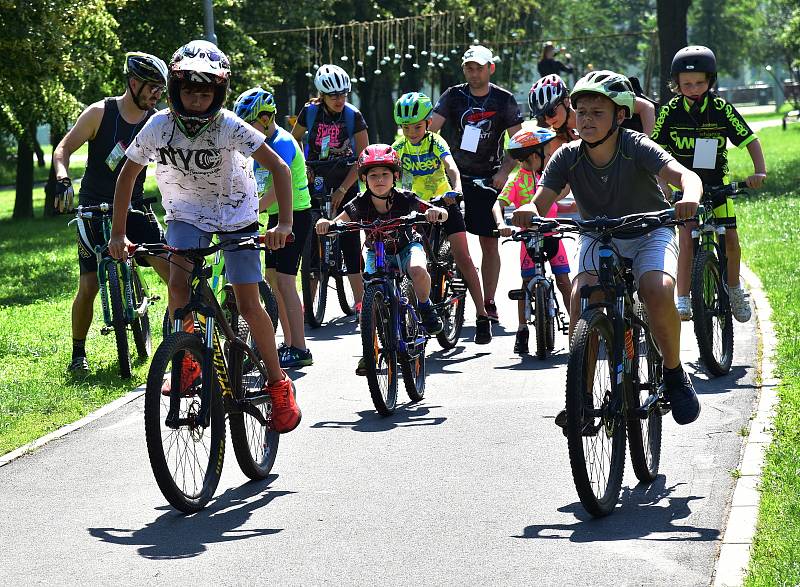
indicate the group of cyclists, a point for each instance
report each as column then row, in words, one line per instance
column 218, row 169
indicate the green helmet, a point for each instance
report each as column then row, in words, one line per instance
column 614, row 86
column 412, row 108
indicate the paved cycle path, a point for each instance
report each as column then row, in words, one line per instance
column 471, row 485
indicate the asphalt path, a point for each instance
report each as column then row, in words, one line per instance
column 471, row 485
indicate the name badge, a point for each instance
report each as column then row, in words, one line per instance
column 115, row 156
column 325, row 147
column 262, row 175
column 705, row 154
column 469, row 142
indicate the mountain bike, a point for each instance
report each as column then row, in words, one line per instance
column 391, row 330
column 185, row 430
column 322, row 257
column 614, row 372
column 448, row 289
column 539, row 293
column 124, row 295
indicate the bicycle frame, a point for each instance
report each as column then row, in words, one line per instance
column 535, row 248
column 709, row 235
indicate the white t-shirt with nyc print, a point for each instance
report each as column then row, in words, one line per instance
column 205, row 181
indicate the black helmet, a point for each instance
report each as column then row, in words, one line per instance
column 694, row 58
column 145, row 67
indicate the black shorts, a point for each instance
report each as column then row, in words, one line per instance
column 455, row 220
column 478, row 204
column 138, row 229
column 287, row 259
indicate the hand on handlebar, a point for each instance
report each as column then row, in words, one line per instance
column 504, row 230
column 118, row 247
column 684, row 210
column 435, row 214
column 499, row 179
column 323, row 226
column 524, row 216
column 756, row 180
column 275, row 238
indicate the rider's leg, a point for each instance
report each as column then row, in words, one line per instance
column 733, row 250
column 83, row 305
column 685, row 258
column 272, row 279
column 490, row 266
column 248, row 301
column 657, row 290
column 565, row 287
column 464, row 262
column 292, row 316
column 160, row 265
column 417, row 270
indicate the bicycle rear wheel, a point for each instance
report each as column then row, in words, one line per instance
column 541, row 319
column 344, row 291
column 186, row 458
column 644, row 435
column 595, row 435
column 270, row 302
column 412, row 365
column 118, row 320
column 141, row 319
column 713, row 325
column 314, row 278
column 380, row 358
column 551, row 318
column 450, row 293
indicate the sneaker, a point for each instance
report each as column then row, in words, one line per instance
column 521, row 343
column 491, row 311
column 190, row 374
column 683, row 399
column 294, row 357
column 684, row 306
column 740, row 303
column 361, row 368
column 430, row 319
column 286, row 414
column 78, row 366
column 483, row 330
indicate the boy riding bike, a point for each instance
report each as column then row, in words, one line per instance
column 612, row 172
column 207, row 187
column 379, row 167
column 694, row 127
column 531, row 146
column 427, row 167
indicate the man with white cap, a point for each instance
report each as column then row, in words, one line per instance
column 480, row 113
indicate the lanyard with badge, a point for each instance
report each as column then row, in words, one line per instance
column 705, row 150
column 118, row 152
column 472, row 134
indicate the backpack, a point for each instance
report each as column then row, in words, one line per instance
column 349, row 121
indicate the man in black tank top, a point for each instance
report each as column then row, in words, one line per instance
column 109, row 126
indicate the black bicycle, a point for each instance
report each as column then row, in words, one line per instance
column 124, row 295
column 322, row 257
column 539, row 293
column 185, row 427
column 614, row 373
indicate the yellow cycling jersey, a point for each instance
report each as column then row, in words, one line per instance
column 423, row 165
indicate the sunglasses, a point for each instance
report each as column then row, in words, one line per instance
column 338, row 95
column 551, row 112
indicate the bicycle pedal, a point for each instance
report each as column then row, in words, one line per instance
column 516, row 294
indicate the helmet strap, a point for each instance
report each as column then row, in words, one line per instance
column 136, row 95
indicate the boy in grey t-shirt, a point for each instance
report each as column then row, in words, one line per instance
column 612, row 172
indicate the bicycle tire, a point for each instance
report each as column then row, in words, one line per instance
column 140, row 327
column 270, row 302
column 315, row 289
column 713, row 323
column 551, row 320
column 380, row 361
column 453, row 314
column 412, row 367
column 118, row 321
column 592, row 341
column 175, row 451
column 344, row 291
column 540, row 319
column 644, row 436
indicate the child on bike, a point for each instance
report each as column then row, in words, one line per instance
column 427, row 167
column 612, row 172
column 694, row 127
column 379, row 167
column 207, row 187
column 531, row 147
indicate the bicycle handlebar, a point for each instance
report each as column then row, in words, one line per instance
column 105, row 208
column 732, row 189
column 337, row 228
column 230, row 244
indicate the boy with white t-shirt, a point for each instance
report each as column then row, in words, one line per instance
column 208, row 187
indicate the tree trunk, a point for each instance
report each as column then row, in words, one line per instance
column 671, row 16
column 23, row 204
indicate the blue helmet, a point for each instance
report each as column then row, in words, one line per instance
column 253, row 103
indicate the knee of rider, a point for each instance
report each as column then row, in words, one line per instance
column 417, row 273
column 656, row 294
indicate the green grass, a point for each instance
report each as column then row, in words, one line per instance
column 77, row 166
column 38, row 261
column 769, row 224
column 787, row 106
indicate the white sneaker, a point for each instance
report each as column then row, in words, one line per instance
column 684, row 306
column 740, row 303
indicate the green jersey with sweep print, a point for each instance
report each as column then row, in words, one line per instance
column 423, row 165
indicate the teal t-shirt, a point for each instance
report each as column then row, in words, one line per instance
column 283, row 143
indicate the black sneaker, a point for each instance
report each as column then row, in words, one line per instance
column 521, row 343
column 683, row 400
column 491, row 311
column 294, row 357
column 78, row 366
column 361, row 368
column 483, row 330
column 430, row 320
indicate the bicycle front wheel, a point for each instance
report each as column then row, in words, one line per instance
column 380, row 356
column 186, row 457
column 644, row 435
column 450, row 293
column 314, row 278
column 595, row 432
column 540, row 318
column 141, row 319
column 118, row 320
column 713, row 325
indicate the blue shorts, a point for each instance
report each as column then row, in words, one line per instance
column 401, row 260
column 240, row 266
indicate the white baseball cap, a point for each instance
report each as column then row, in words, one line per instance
column 479, row 54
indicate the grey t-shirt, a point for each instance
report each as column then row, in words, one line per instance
column 627, row 185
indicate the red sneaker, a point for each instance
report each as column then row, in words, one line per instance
column 285, row 413
column 190, row 374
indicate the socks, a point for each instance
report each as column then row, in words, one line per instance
column 78, row 348
column 426, row 304
column 674, row 376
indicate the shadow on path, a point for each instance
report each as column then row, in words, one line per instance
column 403, row 417
column 173, row 535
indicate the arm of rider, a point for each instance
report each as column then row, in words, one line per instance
column 323, row 225
column 437, row 122
column 566, row 207
column 275, row 238
column 542, row 200
column 267, row 199
column 499, row 220
column 362, row 141
column 298, row 131
column 84, row 130
column 757, row 155
column 451, row 169
column 117, row 244
column 435, row 214
column 691, row 185
column 509, row 163
column 647, row 113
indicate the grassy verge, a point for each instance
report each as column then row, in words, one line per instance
column 38, row 260
column 769, row 224
column 787, row 106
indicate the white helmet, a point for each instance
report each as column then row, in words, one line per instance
column 332, row 79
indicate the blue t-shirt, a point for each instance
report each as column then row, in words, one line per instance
column 283, row 143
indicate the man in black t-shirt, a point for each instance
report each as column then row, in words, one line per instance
column 479, row 113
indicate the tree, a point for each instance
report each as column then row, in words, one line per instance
column 672, row 17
